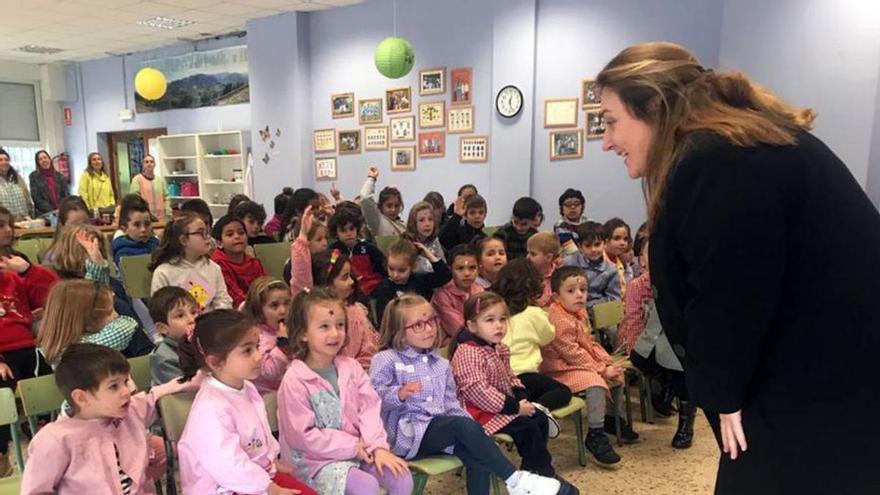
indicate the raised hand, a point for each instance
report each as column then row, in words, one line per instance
column 91, row 244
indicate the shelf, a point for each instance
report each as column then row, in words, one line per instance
column 215, row 205
column 222, row 182
column 174, row 176
column 236, row 155
column 183, row 197
column 185, row 157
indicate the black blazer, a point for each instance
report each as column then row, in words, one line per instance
column 40, row 191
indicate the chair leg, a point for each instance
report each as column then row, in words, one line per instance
column 649, row 396
column 578, row 419
column 170, row 483
column 642, row 409
column 16, row 442
column 496, row 485
column 615, row 397
column 626, row 398
column 420, row 480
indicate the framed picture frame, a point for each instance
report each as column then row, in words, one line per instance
column 432, row 114
column 473, row 149
column 325, row 168
column 432, row 144
column 370, row 111
column 566, row 144
column 595, row 122
column 560, row 112
column 461, row 120
column 590, row 94
column 461, row 82
column 324, row 140
column 432, row 81
column 342, row 105
column 403, row 129
column 403, row 158
column 398, row 100
column 349, row 142
column 376, row 138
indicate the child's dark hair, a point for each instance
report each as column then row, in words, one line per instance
column 526, row 208
column 298, row 319
column 571, row 194
column 475, row 202
column 641, row 239
column 462, row 250
column 217, row 333
column 199, row 207
column 131, row 203
column 404, row 247
column 327, row 266
column 473, row 308
column 170, row 247
column 344, row 216
column 614, row 224
column 519, row 284
column 282, row 199
column 479, row 242
column 390, row 192
column 251, row 209
column 256, row 296
column 85, row 366
column 563, row 273
column 467, row 186
column 436, row 200
column 235, row 201
column 299, row 201
column 590, row 232
column 222, row 222
column 68, row 205
column 164, row 300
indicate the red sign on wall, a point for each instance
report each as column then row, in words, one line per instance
column 68, row 116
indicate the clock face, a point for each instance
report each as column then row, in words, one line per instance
column 509, row 101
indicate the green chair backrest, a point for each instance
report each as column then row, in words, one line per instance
column 39, row 395
column 383, row 242
column 608, row 314
column 30, row 248
column 8, row 410
column 273, row 256
column 140, row 372
column 136, row 275
column 490, row 230
column 174, row 410
column 271, row 400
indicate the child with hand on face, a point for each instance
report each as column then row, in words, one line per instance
column 383, row 215
column 527, row 217
column 544, row 255
column 448, row 301
column 267, row 303
column 466, row 223
column 402, row 256
column 239, row 268
column 422, row 227
column 174, row 312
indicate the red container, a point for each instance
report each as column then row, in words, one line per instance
column 189, row 189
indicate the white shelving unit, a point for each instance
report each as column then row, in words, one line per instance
column 214, row 160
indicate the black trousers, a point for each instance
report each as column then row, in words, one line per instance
column 22, row 362
column 545, row 390
column 673, row 378
column 530, row 435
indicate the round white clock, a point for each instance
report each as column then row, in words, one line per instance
column 509, row 101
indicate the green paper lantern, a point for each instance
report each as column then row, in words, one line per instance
column 395, row 57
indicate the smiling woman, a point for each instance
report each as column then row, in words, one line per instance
column 724, row 160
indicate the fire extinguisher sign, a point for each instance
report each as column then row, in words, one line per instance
column 68, row 116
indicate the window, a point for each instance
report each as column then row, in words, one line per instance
column 22, row 158
column 19, row 120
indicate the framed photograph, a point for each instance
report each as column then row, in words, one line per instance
column 432, row 81
column 595, row 124
column 398, row 100
column 403, row 128
column 325, row 140
column 403, row 158
column 342, row 105
column 567, row 144
column 473, row 149
column 461, row 82
column 325, row 168
column 461, row 119
column 432, row 144
column 561, row 112
column 349, row 142
column 370, row 111
column 376, row 138
column 590, row 94
column 432, row 114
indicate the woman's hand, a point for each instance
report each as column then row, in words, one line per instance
column 733, row 438
column 383, row 458
column 14, row 264
column 91, row 244
column 409, row 390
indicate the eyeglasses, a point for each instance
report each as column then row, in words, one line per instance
column 422, row 326
column 201, row 233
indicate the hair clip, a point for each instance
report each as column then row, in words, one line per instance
column 307, row 290
column 334, row 257
column 477, row 306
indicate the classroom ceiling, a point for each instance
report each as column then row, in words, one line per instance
column 88, row 29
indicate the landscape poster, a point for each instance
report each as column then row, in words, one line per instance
column 201, row 79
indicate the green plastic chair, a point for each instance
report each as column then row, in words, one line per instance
column 383, row 242
column 9, row 417
column 136, row 275
column 273, row 256
column 140, row 372
column 39, row 397
column 490, row 230
column 173, row 410
column 573, row 409
column 271, row 401
column 607, row 314
column 29, row 247
column 434, row 465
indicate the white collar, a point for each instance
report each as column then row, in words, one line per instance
column 210, row 380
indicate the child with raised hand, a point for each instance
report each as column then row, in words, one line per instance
column 571, row 214
column 227, row 445
column 275, row 226
column 382, row 215
column 367, row 261
column 422, row 227
column 183, row 260
column 544, row 255
column 174, row 312
column 137, row 237
column 328, row 413
column 619, row 242
column 494, row 396
column 267, row 303
column 98, row 446
column 239, row 268
column 402, row 256
column 524, row 222
column 448, row 301
column 578, row 361
column 420, row 406
column 491, row 257
column 333, row 272
column 466, row 222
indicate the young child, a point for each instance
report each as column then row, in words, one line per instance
column 382, row 216
column 274, row 227
column 316, row 234
column 7, row 235
column 491, row 257
column 136, row 224
column 527, row 217
column 578, row 361
column 268, row 302
column 544, row 255
column 422, row 227
column 333, row 273
column 602, row 276
column 402, row 256
column 466, row 222
column 235, row 201
column 527, row 331
column 328, row 414
column 72, row 211
column 492, row 394
column 127, row 202
column 464, row 192
column 239, row 268
column 420, row 406
column 174, row 312
column 182, row 260
column 435, row 199
column 367, row 261
column 226, row 445
column 253, row 215
column 448, row 301
column 99, row 446
column 200, row 208
column 571, row 210
column 619, row 242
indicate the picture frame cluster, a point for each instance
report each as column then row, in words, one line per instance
column 561, row 117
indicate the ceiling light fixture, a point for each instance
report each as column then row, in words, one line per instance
column 41, row 50
column 160, row 22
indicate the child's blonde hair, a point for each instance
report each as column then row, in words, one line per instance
column 393, row 329
column 257, row 294
column 298, row 319
column 67, row 255
column 404, row 247
column 412, row 221
column 545, row 242
column 73, row 309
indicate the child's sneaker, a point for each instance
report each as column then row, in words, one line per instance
column 526, row 483
column 553, row 427
column 597, row 444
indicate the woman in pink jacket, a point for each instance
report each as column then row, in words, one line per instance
column 328, row 413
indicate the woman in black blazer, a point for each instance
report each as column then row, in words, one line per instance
column 764, row 264
column 48, row 186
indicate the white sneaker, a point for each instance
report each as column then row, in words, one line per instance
column 552, row 425
column 526, row 483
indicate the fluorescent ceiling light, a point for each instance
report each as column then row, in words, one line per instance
column 160, row 22
column 42, row 50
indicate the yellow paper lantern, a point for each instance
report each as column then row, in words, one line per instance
column 150, row 83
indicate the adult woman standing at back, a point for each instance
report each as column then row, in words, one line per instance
column 14, row 195
column 48, row 186
column 749, row 215
column 95, row 186
column 151, row 187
